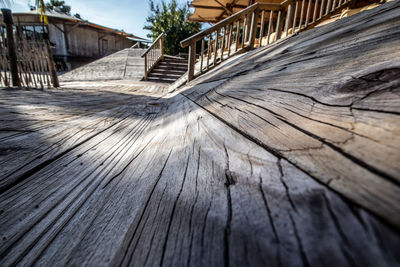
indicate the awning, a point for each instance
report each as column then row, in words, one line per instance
column 216, row 10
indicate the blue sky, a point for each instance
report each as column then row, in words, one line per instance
column 128, row 15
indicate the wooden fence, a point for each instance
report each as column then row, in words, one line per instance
column 25, row 63
column 258, row 25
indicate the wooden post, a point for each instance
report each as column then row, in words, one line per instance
column 237, row 40
column 162, row 48
column 308, row 13
column 216, row 48
column 295, row 16
column 145, row 67
column 262, row 28
column 209, row 51
column 52, row 65
column 278, row 25
column 192, row 61
column 12, row 54
column 288, row 18
column 230, row 39
column 253, row 28
column 271, row 14
column 202, row 55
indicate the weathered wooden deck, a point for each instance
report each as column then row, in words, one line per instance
column 285, row 156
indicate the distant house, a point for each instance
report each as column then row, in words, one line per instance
column 74, row 40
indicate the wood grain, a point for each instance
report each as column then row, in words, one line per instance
column 284, row 156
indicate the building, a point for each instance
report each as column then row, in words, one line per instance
column 74, row 41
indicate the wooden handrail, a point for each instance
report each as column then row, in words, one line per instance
column 153, row 44
column 153, row 55
column 227, row 21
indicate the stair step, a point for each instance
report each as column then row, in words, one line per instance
column 176, row 61
column 168, row 71
column 172, row 67
column 164, row 75
column 173, row 63
column 153, row 79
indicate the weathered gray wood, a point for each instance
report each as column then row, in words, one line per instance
column 284, row 156
column 378, row 167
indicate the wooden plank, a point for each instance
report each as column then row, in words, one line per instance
column 253, row 164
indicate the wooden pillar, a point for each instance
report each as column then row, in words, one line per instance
column 12, row 54
column 192, row 61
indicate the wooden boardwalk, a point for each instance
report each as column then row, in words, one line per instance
column 285, row 156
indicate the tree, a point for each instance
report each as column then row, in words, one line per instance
column 59, row 4
column 170, row 18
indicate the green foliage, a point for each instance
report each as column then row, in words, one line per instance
column 59, row 4
column 170, row 18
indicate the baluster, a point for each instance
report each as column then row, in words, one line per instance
column 308, row 12
column 333, row 5
column 202, row 55
column 223, row 43
column 262, row 28
column 243, row 32
column 327, row 7
column 209, row 51
column 216, row 47
column 230, row 39
column 237, row 35
column 278, row 26
column 288, row 18
column 295, row 16
column 321, row 9
column 301, row 14
column 315, row 11
column 253, row 28
column 271, row 14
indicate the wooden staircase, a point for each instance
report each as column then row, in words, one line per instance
column 168, row 70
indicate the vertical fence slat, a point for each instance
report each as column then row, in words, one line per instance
column 315, row 11
column 308, row 13
column 271, row 14
column 278, row 25
column 237, row 35
column 202, row 55
column 288, row 18
column 223, row 44
column 295, row 16
column 230, row 39
column 321, row 9
column 262, row 28
column 301, row 14
column 209, row 51
column 216, row 47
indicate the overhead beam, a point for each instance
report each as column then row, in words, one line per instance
column 224, row 7
column 216, row 7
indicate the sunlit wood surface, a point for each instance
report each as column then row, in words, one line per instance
column 284, row 156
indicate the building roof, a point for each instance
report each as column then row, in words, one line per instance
column 216, row 10
column 55, row 15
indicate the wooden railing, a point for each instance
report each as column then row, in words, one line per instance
column 153, row 55
column 258, row 25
